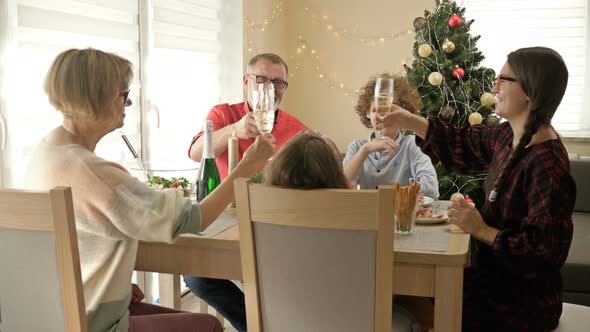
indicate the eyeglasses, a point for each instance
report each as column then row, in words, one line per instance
column 502, row 78
column 125, row 95
column 278, row 84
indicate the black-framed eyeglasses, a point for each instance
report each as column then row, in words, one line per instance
column 125, row 95
column 278, row 84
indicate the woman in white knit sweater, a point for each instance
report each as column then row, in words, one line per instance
column 113, row 209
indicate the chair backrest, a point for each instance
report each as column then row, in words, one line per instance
column 40, row 282
column 316, row 260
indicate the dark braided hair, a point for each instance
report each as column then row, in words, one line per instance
column 543, row 76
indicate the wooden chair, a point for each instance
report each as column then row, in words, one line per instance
column 316, row 260
column 40, row 283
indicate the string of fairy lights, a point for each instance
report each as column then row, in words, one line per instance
column 304, row 49
column 277, row 12
column 352, row 33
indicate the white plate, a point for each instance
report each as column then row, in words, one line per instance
column 427, row 200
column 433, row 220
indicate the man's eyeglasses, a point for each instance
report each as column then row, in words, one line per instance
column 125, row 95
column 278, row 84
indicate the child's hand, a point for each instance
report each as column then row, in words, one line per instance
column 382, row 144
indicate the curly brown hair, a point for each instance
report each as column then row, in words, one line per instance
column 404, row 96
column 308, row 160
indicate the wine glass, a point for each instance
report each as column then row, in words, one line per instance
column 383, row 100
column 264, row 110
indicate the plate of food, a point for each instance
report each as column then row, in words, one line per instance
column 424, row 200
column 433, row 213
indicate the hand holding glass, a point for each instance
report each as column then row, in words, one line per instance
column 383, row 101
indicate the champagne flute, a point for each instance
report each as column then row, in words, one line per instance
column 383, row 100
column 264, row 110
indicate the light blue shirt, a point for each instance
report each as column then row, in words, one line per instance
column 408, row 162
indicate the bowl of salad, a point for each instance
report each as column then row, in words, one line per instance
column 167, row 175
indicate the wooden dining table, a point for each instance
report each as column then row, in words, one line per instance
column 434, row 274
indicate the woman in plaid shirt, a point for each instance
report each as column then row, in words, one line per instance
column 524, row 230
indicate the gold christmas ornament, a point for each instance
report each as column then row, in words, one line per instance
column 419, row 22
column 475, row 118
column 435, row 78
column 424, row 50
column 447, row 112
column 457, row 197
column 448, row 46
column 491, row 121
column 487, row 99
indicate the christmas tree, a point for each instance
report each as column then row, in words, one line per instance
column 451, row 83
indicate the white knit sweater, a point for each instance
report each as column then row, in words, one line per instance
column 113, row 211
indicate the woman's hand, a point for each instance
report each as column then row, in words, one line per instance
column 381, row 144
column 258, row 153
column 469, row 220
column 401, row 118
column 136, row 294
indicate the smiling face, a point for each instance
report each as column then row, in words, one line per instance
column 262, row 69
column 511, row 101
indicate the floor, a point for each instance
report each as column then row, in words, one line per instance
column 421, row 307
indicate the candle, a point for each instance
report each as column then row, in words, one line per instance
column 232, row 151
column 358, row 187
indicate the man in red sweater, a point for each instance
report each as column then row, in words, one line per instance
column 266, row 68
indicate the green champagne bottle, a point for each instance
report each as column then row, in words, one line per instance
column 208, row 178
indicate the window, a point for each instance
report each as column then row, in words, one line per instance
column 506, row 25
column 187, row 56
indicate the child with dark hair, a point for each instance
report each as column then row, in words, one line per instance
column 309, row 161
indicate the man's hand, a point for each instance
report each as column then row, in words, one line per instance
column 136, row 294
column 258, row 153
column 381, row 144
column 246, row 127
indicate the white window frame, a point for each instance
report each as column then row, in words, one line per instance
column 496, row 43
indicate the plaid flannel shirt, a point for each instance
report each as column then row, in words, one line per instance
column 515, row 284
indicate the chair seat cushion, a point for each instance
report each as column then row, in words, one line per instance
column 576, row 271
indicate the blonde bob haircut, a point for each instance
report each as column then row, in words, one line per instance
column 84, row 82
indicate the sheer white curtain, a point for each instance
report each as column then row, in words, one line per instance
column 187, row 56
column 34, row 33
column 506, row 25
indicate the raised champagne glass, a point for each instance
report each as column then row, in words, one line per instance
column 383, row 101
column 264, row 109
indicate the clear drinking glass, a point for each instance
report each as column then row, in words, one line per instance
column 405, row 216
column 263, row 104
column 383, row 100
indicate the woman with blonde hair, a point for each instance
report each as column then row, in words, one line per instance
column 524, row 230
column 114, row 210
column 394, row 157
